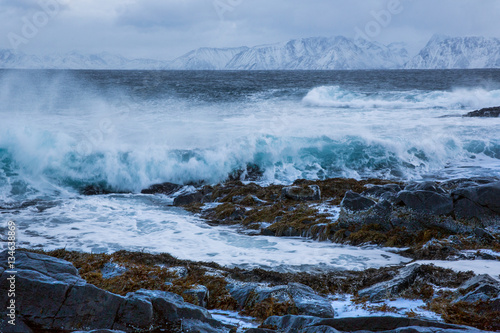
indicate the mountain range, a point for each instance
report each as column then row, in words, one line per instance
column 315, row 53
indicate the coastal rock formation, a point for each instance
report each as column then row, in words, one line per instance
column 355, row 202
column 392, row 287
column 52, row 296
column 303, row 324
column 302, row 193
column 303, row 298
column 164, row 188
column 486, row 112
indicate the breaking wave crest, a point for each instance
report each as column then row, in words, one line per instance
column 337, row 97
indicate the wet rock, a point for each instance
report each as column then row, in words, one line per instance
column 259, row 330
column 111, row 270
column 308, row 302
column 486, row 112
column 425, row 186
column 305, row 299
column 248, row 200
column 453, row 184
column 319, row 329
column 302, row 193
column 391, row 288
column 200, row 294
column 164, row 188
column 54, row 297
column 290, row 323
column 252, row 172
column 305, row 324
column 391, row 324
column 95, row 189
column 382, row 191
column 484, row 235
column 437, row 250
column 354, row 202
column 479, row 288
column 100, row 331
column 480, row 202
column 188, row 198
column 426, row 201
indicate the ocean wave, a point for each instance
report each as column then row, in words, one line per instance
column 337, row 97
column 52, row 162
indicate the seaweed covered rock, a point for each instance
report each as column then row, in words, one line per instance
column 355, row 202
column 386, row 289
column 164, row 188
column 189, row 198
column 303, row 298
column 54, row 297
column 302, row 193
column 479, row 288
column 486, row 112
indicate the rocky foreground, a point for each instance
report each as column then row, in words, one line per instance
column 63, row 291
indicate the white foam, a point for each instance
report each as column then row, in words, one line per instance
column 345, row 308
column 490, row 267
column 140, row 222
column 335, row 96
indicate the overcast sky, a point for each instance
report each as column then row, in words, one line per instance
column 165, row 29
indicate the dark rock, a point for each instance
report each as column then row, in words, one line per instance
column 165, row 188
column 54, row 297
column 393, row 287
column 392, row 324
column 382, row 191
column 308, row 302
column 189, row 198
column 355, row 202
column 479, row 288
column 426, row 201
column 481, row 202
column 290, row 323
column 111, row 270
column 319, row 329
column 437, row 250
column 425, row 186
column 240, row 291
column 136, row 311
column 302, row 193
column 484, row 235
column 100, row 331
column 486, row 112
column 19, row 327
column 304, row 324
column 95, row 189
column 172, row 307
column 252, row 173
column 454, row 184
column 200, row 294
column 305, row 299
column 259, row 330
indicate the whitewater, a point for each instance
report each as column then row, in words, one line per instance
column 61, row 131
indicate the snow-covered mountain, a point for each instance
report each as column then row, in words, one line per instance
column 458, row 52
column 314, row 53
column 75, row 60
column 206, row 58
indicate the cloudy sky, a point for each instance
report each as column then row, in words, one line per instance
column 165, row 29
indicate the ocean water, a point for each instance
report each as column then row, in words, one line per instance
column 126, row 130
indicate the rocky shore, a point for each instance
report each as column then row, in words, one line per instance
column 64, row 291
